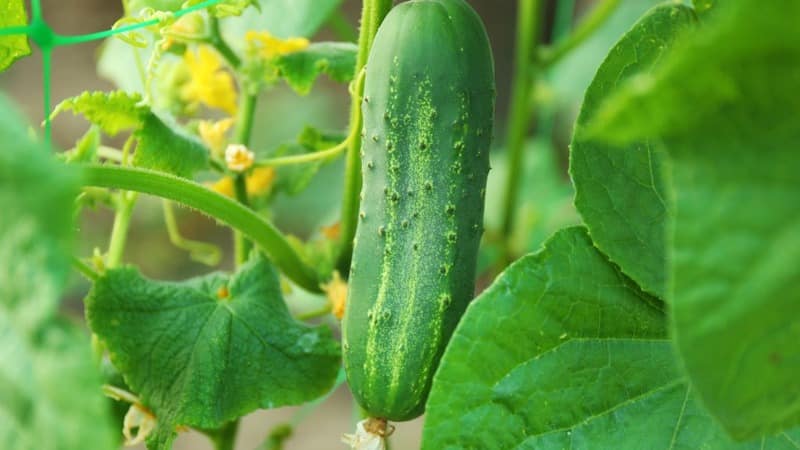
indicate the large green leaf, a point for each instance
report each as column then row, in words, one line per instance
column 12, row 48
column 49, row 390
column 301, row 69
column 564, row 351
column 620, row 190
column 725, row 105
column 36, row 195
column 211, row 349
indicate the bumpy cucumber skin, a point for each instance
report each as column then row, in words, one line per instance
column 428, row 114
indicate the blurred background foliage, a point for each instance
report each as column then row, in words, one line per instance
column 546, row 195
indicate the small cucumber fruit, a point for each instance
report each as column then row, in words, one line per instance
column 428, row 111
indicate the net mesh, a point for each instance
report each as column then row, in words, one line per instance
column 41, row 34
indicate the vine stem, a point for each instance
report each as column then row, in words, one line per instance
column 372, row 14
column 529, row 16
column 203, row 252
column 122, row 217
column 200, row 198
column 119, row 231
column 225, row 437
column 216, row 40
column 316, row 156
column 244, row 131
column 241, row 244
column 548, row 56
column 87, row 271
column 308, row 157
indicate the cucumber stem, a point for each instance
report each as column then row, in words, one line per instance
column 372, row 14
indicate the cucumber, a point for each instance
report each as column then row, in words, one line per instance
column 428, row 112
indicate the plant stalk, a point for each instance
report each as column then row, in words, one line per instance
column 244, row 131
column 525, row 74
column 548, row 56
column 119, row 231
column 241, row 244
column 223, row 209
column 216, row 41
column 225, row 437
column 372, row 15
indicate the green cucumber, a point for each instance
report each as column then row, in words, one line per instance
column 428, row 111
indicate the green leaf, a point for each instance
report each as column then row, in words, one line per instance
column 200, row 356
column 36, row 195
column 301, row 69
column 570, row 77
column 112, row 111
column 732, row 135
column 163, row 144
column 168, row 148
column 282, row 18
column 12, row 48
column 572, row 355
column 49, row 391
column 620, row 189
column 703, row 6
column 85, row 150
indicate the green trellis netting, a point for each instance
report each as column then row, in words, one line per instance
column 47, row 40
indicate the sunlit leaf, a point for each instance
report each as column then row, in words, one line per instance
column 163, row 144
column 112, row 111
column 13, row 47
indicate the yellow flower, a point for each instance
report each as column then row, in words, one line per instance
column 260, row 181
column 336, row 291
column 223, row 186
column 213, row 134
column 268, row 46
column 209, row 83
